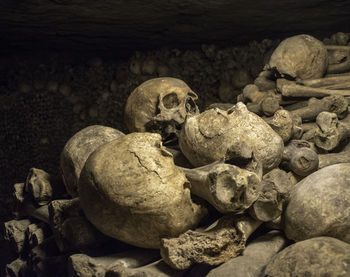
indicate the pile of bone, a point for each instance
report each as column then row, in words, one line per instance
column 186, row 189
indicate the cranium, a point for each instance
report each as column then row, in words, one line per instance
column 160, row 105
column 299, row 57
column 131, row 190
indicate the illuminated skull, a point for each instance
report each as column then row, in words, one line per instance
column 160, row 105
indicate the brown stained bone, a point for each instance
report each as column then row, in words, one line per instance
column 15, row 233
column 179, row 157
column 267, row 106
column 326, row 81
column 300, row 157
column 71, row 229
column 276, row 186
column 38, row 186
column 84, row 265
column 227, row 187
column 222, row 241
column 282, row 123
column 333, row 158
column 292, row 89
column 336, row 104
column 331, row 131
column 155, row 269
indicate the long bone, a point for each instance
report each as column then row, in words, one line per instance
column 300, row 157
column 292, row 89
column 335, row 103
column 343, row 66
column 223, row 240
column 331, row 131
column 227, row 187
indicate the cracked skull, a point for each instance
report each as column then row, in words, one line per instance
column 160, row 105
column 131, row 190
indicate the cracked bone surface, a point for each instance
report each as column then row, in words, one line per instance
column 335, row 104
column 38, row 186
column 331, row 131
column 131, row 190
column 227, row 187
column 223, row 240
column 160, row 105
column 292, row 89
column 216, row 134
column 15, row 233
column 77, row 150
column 301, row 57
column 84, row 265
column 300, row 157
column 276, row 186
column 255, row 257
column 321, row 256
column 319, row 205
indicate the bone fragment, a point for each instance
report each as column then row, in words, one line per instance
column 331, row 131
column 36, row 233
column 38, row 186
column 15, row 233
column 72, row 231
column 276, row 186
column 300, row 158
column 224, row 240
column 227, row 187
column 282, row 123
column 84, row 265
column 179, row 157
column 291, row 89
column 16, row 268
column 267, row 106
column 335, row 103
column 256, row 256
column 265, row 81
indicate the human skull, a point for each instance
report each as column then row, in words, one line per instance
column 131, row 190
column 160, row 105
column 231, row 135
column 299, row 57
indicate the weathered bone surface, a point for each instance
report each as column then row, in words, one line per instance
column 282, row 123
column 335, row 104
column 292, row 89
column 334, row 158
column 331, row 131
column 300, row 57
column 276, row 186
column 255, row 257
column 38, row 186
column 130, row 189
column 77, row 150
column 342, row 62
column 216, row 134
column 326, row 82
column 84, row 265
column 227, row 187
column 160, row 105
column 16, row 268
column 300, row 157
column 72, row 231
column 156, row 269
column 15, row 233
column 222, row 241
column 36, row 233
column 319, row 205
column 265, row 81
column 322, row 256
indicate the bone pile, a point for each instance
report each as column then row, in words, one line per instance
column 260, row 187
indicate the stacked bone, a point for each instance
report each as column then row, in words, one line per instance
column 271, row 161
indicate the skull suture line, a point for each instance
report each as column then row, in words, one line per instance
column 160, row 105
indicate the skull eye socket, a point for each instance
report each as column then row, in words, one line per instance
column 170, row 100
column 190, row 106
